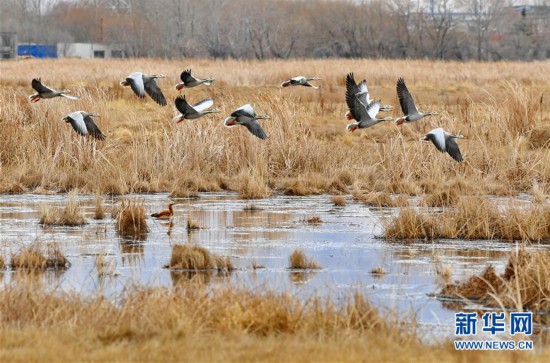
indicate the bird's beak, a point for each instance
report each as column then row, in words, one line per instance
column 180, row 86
column 399, row 121
column 65, row 119
column 180, row 120
column 124, row 82
column 230, row 121
column 424, row 138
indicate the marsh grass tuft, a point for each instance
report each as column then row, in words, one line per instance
column 315, row 219
column 523, row 285
column 131, row 218
column 192, row 225
column 378, row 271
column 338, row 201
column 38, row 257
column 99, row 212
column 197, row 258
column 299, row 261
column 2, row 263
column 104, row 268
column 381, row 199
column 70, row 215
column 251, row 208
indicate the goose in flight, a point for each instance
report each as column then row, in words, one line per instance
column 192, row 112
column 247, row 117
column 300, row 81
column 365, row 115
column 141, row 83
column 45, row 92
column 187, row 80
column 445, row 142
column 362, row 93
column 407, row 105
column 164, row 214
column 82, row 123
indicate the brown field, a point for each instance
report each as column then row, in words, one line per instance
column 502, row 109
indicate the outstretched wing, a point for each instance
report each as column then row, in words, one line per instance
column 363, row 93
column 39, row 87
column 93, row 129
column 351, row 86
column 373, row 108
column 356, row 108
column 405, row 98
column 186, row 76
column 452, row 149
column 246, row 111
column 256, row 129
column 77, row 122
column 182, row 105
column 153, row 90
column 437, row 137
column 204, row 104
column 136, row 83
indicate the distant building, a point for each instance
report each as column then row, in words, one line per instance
column 37, row 50
column 8, row 45
column 89, row 50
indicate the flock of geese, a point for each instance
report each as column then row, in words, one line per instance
column 362, row 109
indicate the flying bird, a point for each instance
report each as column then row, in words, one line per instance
column 45, row 92
column 187, row 80
column 362, row 93
column 247, row 117
column 300, row 81
column 165, row 213
column 445, row 142
column 192, row 112
column 141, row 83
column 407, row 105
column 82, row 123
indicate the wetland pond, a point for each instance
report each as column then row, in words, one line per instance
column 344, row 243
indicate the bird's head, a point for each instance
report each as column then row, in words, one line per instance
column 352, row 127
column 314, row 79
column 431, row 113
column 262, row 117
column 180, row 86
column 458, row 136
column 159, row 76
column 124, row 82
column 425, row 138
column 400, row 121
column 66, row 119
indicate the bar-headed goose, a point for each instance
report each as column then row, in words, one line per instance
column 247, row 117
column 193, row 112
column 187, row 80
column 45, row 92
column 408, row 107
column 362, row 93
column 445, row 142
column 82, row 123
column 141, row 83
column 300, row 81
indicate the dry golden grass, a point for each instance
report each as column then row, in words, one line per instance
column 378, row 271
column 38, row 257
column 523, row 285
column 472, row 218
column 381, row 199
column 99, row 212
column 131, row 219
column 104, row 268
column 299, row 261
column 315, row 219
column 70, row 215
column 2, row 263
column 308, row 150
column 197, row 258
column 251, row 208
column 185, row 322
column 338, row 200
column 192, row 225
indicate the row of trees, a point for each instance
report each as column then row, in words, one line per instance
column 443, row 29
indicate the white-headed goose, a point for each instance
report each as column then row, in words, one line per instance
column 192, row 112
column 408, row 107
column 362, row 93
column 82, row 123
column 300, row 81
column 445, row 142
column 247, row 117
column 45, row 92
column 141, row 83
column 187, row 80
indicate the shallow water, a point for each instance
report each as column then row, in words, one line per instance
column 344, row 243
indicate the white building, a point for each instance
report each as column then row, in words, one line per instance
column 88, row 50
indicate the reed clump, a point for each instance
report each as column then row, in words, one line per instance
column 70, row 215
column 315, row 219
column 2, row 263
column 197, row 258
column 99, row 212
column 192, row 225
column 338, row 201
column 131, row 218
column 39, row 257
column 448, row 197
column 472, row 218
column 523, row 285
column 381, row 199
column 299, row 261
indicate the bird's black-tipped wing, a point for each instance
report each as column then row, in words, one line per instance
column 186, row 76
column 182, row 105
column 356, row 108
column 452, row 149
column 136, row 84
column 351, row 85
column 245, row 111
column 405, row 98
column 256, row 129
column 93, row 129
column 38, row 86
column 153, row 90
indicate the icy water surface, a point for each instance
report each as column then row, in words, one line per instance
column 345, row 244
